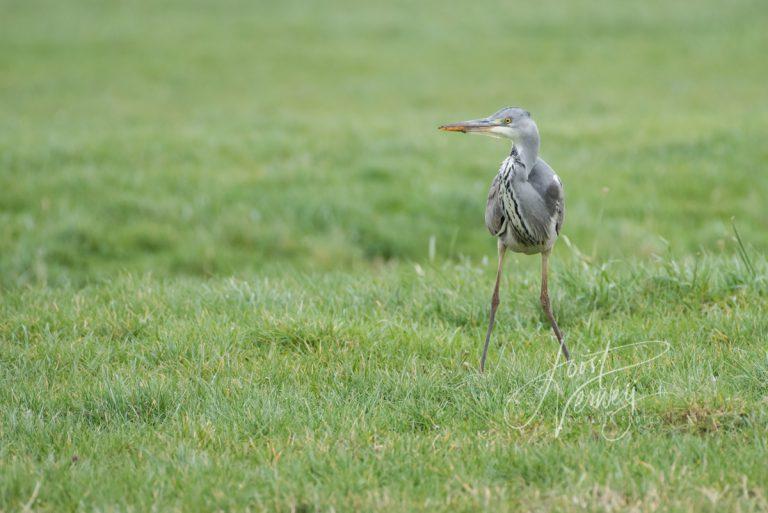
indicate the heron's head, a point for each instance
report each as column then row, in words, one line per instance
column 508, row 123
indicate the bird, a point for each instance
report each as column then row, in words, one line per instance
column 526, row 203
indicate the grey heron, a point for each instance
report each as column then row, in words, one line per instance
column 526, row 204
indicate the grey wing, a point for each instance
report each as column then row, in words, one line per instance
column 560, row 212
column 550, row 188
column 494, row 211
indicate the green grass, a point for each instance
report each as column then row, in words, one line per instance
column 216, row 289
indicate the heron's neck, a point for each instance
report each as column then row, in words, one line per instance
column 527, row 151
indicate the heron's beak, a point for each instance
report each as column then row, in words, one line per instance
column 475, row 125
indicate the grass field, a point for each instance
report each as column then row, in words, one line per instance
column 216, row 284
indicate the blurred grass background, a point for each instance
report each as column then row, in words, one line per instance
column 216, row 289
column 215, row 138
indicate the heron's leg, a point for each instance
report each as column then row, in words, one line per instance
column 546, row 306
column 494, row 305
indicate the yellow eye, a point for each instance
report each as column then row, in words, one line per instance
column 507, row 121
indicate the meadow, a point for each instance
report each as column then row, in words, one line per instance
column 241, row 270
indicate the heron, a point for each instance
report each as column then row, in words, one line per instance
column 526, row 202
